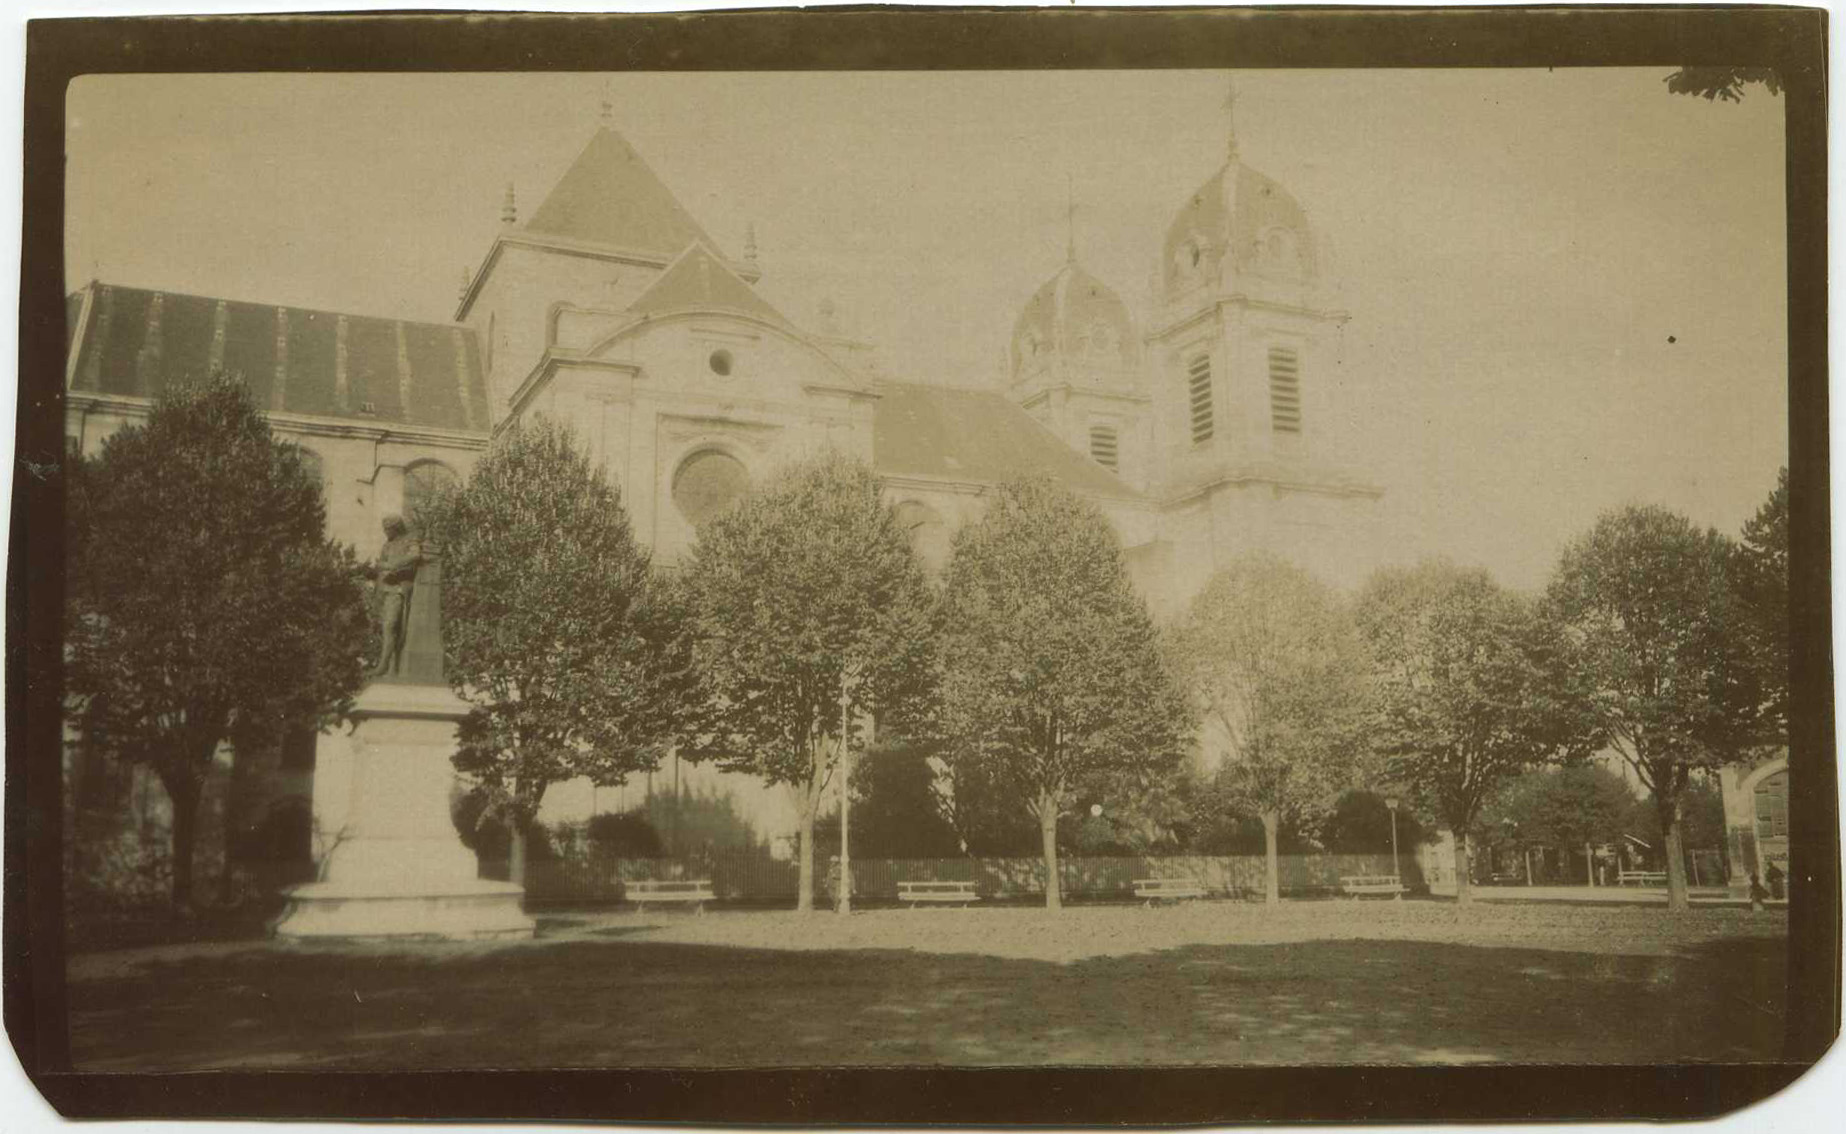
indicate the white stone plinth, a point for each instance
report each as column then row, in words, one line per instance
column 396, row 866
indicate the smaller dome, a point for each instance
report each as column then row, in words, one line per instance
column 1076, row 329
column 1241, row 220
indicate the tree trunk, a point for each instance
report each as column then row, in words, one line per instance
column 1048, row 831
column 1589, row 863
column 1272, row 886
column 1677, row 897
column 804, row 889
column 1463, row 892
column 183, row 792
column 516, row 854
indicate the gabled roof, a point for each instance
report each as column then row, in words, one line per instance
column 610, row 196
column 974, row 435
column 294, row 360
column 699, row 281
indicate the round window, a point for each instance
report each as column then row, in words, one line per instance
column 707, row 483
column 720, row 361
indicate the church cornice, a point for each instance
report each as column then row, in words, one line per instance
column 312, row 425
column 1103, row 393
column 1281, row 481
column 1248, row 303
column 1128, row 498
column 548, row 365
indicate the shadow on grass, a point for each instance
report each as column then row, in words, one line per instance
column 618, row 1004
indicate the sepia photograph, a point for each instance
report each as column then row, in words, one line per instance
column 1049, row 567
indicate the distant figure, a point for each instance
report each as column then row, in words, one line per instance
column 1757, row 893
column 1776, row 879
column 397, row 576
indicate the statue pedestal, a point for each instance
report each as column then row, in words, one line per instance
column 395, row 866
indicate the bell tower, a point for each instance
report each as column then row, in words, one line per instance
column 1075, row 365
column 1242, row 350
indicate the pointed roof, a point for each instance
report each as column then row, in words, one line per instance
column 610, row 196
column 699, row 281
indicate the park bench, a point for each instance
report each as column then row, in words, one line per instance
column 918, row 892
column 1356, row 885
column 1641, row 877
column 697, row 892
column 1176, row 889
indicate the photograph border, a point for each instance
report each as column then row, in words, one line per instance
column 1790, row 40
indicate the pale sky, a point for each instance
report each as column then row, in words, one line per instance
column 1567, row 287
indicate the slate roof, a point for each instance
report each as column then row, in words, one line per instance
column 610, row 196
column 699, row 281
column 294, row 360
column 974, row 435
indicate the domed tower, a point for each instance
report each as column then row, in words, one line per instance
column 1075, row 365
column 1243, row 350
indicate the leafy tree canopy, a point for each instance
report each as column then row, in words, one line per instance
column 204, row 603
column 1724, row 84
column 804, row 591
column 1470, row 688
column 1562, row 807
column 1761, row 573
column 1052, row 674
column 571, row 653
column 1660, row 643
column 1275, row 668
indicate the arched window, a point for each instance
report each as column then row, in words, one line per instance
column 1198, row 393
column 423, row 481
column 1103, row 445
column 707, row 483
column 927, row 532
column 1284, row 390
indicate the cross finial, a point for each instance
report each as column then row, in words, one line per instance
column 1230, row 118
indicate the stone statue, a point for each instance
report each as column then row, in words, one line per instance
column 397, row 578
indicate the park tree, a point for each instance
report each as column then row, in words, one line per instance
column 897, row 811
column 1052, row 675
column 1274, row 666
column 809, row 607
column 1760, row 572
column 1723, row 84
column 1469, row 690
column 567, row 647
column 1658, row 641
column 204, row 603
column 1577, row 805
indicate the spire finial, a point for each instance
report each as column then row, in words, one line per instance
column 466, row 279
column 1070, row 220
column 1230, row 118
column 605, row 107
column 750, row 242
column 509, row 212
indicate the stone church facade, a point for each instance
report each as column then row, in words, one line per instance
column 1196, row 427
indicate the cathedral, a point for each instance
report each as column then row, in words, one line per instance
column 1195, row 426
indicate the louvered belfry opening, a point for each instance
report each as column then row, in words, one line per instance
column 1103, row 445
column 1284, row 390
column 1198, row 384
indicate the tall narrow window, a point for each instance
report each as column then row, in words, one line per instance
column 1284, row 390
column 1103, row 445
column 1198, row 388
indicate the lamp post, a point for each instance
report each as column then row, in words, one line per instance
column 1397, row 870
column 845, row 906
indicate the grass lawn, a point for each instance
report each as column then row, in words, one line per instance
column 1209, row 983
